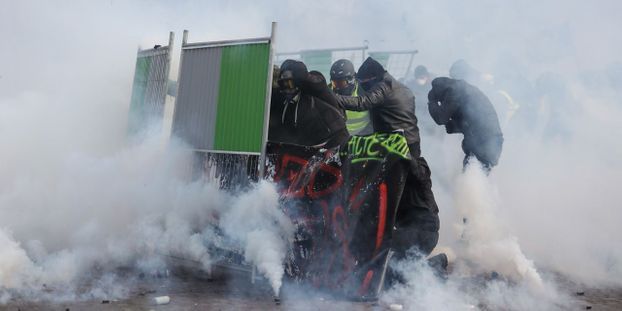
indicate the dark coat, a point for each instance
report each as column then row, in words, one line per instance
column 463, row 108
column 391, row 105
column 310, row 119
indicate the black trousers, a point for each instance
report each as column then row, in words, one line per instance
column 487, row 151
column 417, row 221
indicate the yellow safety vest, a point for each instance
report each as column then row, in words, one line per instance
column 356, row 121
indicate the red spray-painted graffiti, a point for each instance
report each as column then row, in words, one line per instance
column 344, row 212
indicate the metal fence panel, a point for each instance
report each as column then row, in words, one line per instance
column 194, row 119
column 322, row 60
column 220, row 104
column 149, row 88
column 397, row 63
column 318, row 60
column 241, row 99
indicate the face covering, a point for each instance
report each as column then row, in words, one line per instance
column 367, row 85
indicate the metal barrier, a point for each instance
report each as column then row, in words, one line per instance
column 222, row 107
column 150, row 87
column 230, row 171
column 397, row 63
column 322, row 59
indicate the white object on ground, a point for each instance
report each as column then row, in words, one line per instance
column 162, row 300
column 396, row 307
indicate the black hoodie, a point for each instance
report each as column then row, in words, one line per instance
column 463, row 108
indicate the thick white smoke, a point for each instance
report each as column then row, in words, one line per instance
column 70, row 195
column 129, row 210
column 484, row 241
column 256, row 221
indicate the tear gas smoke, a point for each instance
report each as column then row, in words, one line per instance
column 483, row 238
column 70, row 196
column 131, row 209
column 483, row 247
column 258, row 223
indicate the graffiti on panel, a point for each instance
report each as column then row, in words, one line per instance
column 343, row 203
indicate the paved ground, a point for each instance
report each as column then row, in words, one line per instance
column 198, row 293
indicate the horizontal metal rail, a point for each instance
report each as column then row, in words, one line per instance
column 200, row 45
column 396, row 52
column 226, row 152
column 324, row 50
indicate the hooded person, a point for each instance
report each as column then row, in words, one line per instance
column 421, row 84
column 463, row 108
column 343, row 82
column 391, row 108
column 303, row 111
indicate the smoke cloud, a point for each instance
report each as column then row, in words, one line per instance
column 74, row 196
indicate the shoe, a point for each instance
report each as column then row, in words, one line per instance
column 439, row 264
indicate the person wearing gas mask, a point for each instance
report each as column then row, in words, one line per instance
column 463, row 108
column 298, row 116
column 391, row 108
column 343, row 82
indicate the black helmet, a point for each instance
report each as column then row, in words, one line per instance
column 342, row 69
column 342, row 77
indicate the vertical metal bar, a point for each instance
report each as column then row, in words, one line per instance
column 179, row 73
column 167, row 70
column 266, row 119
column 410, row 63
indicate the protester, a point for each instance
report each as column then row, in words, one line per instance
column 390, row 105
column 297, row 117
column 463, row 108
column 343, row 82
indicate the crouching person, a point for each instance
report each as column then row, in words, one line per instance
column 463, row 108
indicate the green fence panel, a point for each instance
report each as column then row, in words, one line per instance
column 241, row 97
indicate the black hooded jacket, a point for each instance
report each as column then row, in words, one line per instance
column 390, row 103
column 463, row 108
column 312, row 118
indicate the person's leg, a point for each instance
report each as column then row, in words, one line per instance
column 489, row 152
column 417, row 221
column 414, row 238
column 416, row 232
